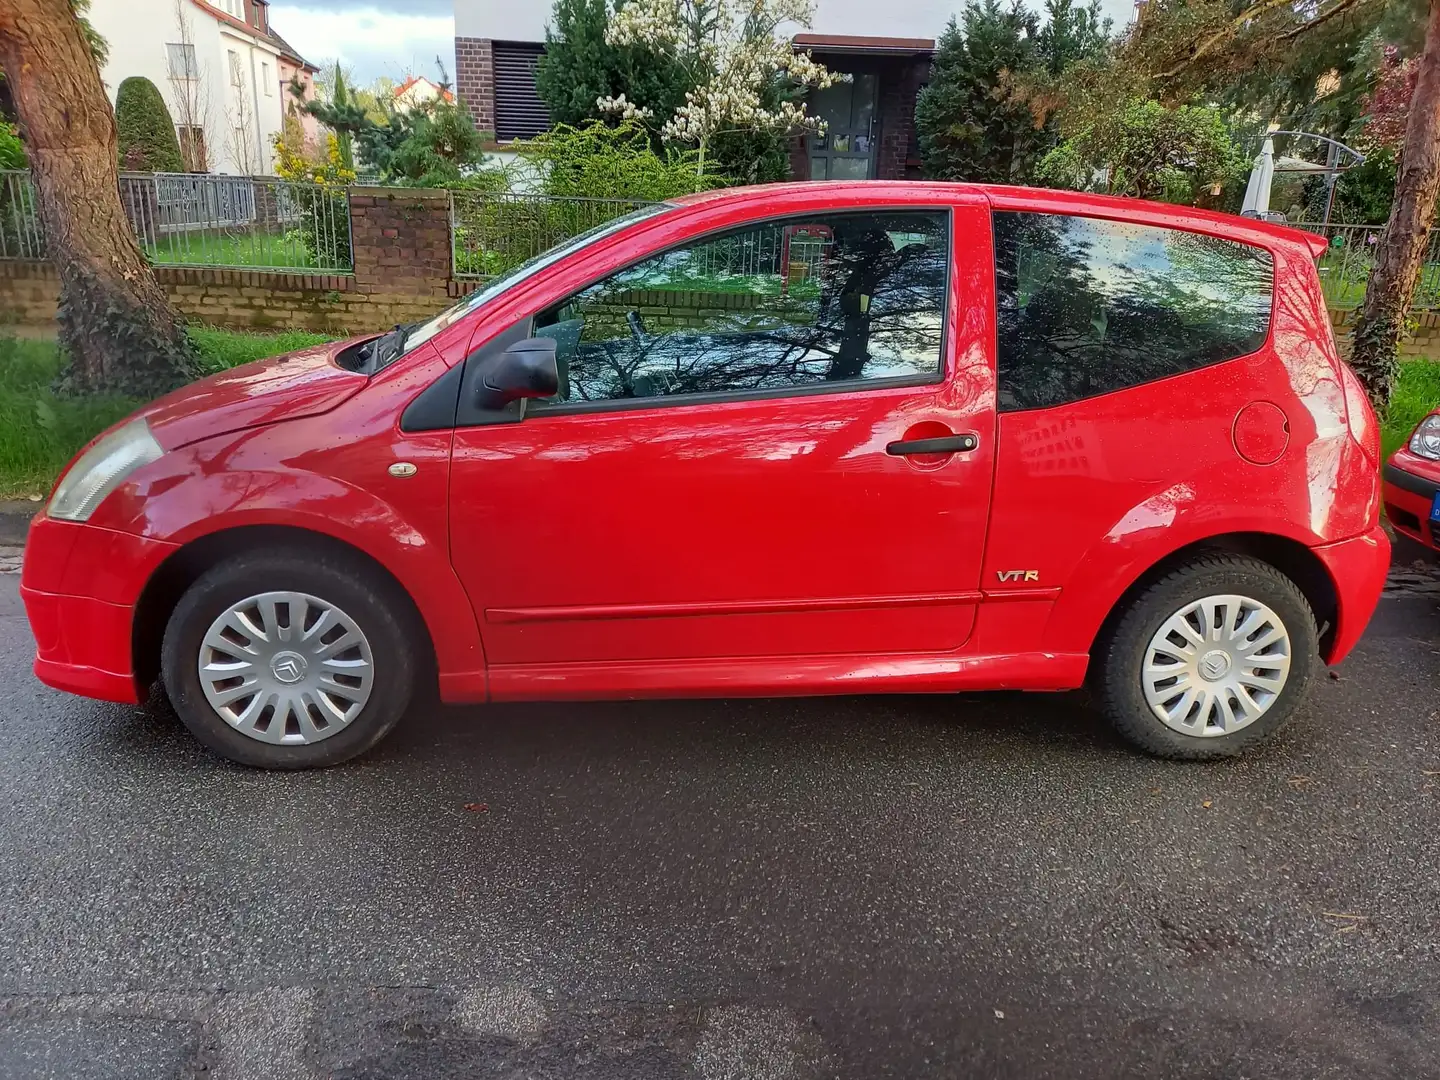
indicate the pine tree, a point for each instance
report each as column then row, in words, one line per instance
column 969, row 127
column 340, row 98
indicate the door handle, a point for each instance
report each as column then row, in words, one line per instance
column 949, row 444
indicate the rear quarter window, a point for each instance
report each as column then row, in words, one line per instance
column 1088, row 306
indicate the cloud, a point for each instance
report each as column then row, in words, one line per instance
column 371, row 41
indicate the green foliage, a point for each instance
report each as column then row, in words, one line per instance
column 143, row 129
column 430, row 145
column 1147, row 150
column 973, row 120
column 340, row 99
column 12, row 150
column 579, row 67
column 1363, row 194
column 968, row 128
column 601, row 162
column 40, row 431
column 1416, row 393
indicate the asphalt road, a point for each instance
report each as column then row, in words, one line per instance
column 854, row 887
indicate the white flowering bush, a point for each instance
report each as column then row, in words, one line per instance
column 737, row 54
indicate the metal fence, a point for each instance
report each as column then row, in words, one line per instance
column 251, row 222
column 494, row 232
column 21, row 236
column 1345, row 266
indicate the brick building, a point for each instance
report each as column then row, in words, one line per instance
column 871, row 118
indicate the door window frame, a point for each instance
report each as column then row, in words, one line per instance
column 945, row 211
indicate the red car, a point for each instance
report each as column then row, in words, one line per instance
column 1412, row 480
column 803, row 439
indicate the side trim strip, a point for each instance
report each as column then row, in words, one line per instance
column 1051, row 592
column 727, row 607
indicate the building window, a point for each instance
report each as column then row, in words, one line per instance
column 519, row 112
column 181, row 60
column 236, row 75
column 265, row 79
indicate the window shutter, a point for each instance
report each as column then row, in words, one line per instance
column 519, row 112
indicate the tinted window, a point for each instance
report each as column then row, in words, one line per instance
column 1089, row 306
column 830, row 299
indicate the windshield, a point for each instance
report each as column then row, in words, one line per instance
column 425, row 331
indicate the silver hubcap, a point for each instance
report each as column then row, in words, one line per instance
column 1216, row 665
column 285, row 667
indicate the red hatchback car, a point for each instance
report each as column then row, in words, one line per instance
column 803, row 439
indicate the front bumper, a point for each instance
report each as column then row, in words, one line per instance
column 1357, row 568
column 1409, row 487
column 80, row 585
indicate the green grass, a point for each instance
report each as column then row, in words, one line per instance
column 40, row 431
column 230, row 249
column 1417, row 391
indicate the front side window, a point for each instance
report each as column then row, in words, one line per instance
column 803, row 302
column 1088, row 306
column 416, row 336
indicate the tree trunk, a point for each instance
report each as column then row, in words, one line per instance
column 1401, row 250
column 115, row 320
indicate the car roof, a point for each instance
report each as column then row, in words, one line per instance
column 1009, row 197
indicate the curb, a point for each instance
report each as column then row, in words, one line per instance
column 15, row 518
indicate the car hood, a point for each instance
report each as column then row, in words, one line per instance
column 304, row 383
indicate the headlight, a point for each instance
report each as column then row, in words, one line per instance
column 1426, row 440
column 102, row 469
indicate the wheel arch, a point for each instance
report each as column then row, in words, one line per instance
column 184, row 566
column 1292, row 558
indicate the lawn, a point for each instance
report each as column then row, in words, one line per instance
column 40, row 432
column 237, row 249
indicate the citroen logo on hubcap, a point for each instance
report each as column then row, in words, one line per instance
column 288, row 667
column 1214, row 665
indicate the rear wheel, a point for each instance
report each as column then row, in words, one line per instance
column 1210, row 659
column 288, row 661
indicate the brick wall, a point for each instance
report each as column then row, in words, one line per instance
column 475, row 79
column 401, row 243
column 899, row 87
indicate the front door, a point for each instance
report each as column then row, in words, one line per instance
column 846, row 151
column 736, row 464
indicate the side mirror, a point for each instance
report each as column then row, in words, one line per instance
column 527, row 369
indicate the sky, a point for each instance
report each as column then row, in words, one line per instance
column 400, row 38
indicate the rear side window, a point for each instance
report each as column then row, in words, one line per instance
column 1088, row 306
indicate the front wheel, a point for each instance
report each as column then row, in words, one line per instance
column 1210, row 659
column 287, row 661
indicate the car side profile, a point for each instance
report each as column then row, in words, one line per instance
column 799, row 439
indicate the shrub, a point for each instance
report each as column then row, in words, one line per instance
column 144, row 130
column 600, row 162
column 324, row 212
column 12, row 150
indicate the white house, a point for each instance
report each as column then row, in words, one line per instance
column 218, row 67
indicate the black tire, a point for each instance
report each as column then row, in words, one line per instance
column 373, row 604
column 1120, row 655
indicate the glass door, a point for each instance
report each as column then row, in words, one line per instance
column 847, row 149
